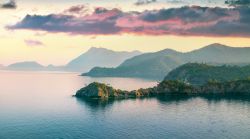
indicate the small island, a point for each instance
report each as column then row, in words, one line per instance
column 182, row 81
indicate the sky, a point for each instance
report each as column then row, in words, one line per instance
column 56, row 31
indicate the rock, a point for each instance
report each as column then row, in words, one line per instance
column 96, row 90
column 100, row 90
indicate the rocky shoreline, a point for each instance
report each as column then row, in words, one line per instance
column 102, row 91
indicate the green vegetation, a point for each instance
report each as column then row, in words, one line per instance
column 153, row 69
column 100, row 90
column 191, row 79
column 159, row 64
column 199, row 74
column 235, row 88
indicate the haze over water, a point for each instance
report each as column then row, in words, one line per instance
column 38, row 105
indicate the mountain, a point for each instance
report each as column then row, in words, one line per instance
column 199, row 74
column 32, row 66
column 93, row 57
column 221, row 54
column 151, row 65
column 98, row 57
column 159, row 64
column 28, row 65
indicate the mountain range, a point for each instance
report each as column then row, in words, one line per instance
column 158, row 64
column 107, row 63
column 93, row 57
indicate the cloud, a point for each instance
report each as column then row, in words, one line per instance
column 238, row 2
column 33, row 43
column 189, row 21
column 144, row 2
column 102, row 21
column 176, row 1
column 9, row 5
column 78, row 9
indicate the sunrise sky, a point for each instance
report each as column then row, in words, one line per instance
column 56, row 31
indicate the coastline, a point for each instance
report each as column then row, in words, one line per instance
column 239, row 88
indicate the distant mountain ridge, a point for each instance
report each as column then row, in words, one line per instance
column 218, row 53
column 99, row 57
column 157, row 65
column 28, row 65
column 88, row 60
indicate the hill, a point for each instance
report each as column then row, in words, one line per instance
column 157, row 65
column 150, row 67
column 27, row 65
column 198, row 74
column 221, row 54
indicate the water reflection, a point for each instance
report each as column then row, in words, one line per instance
column 97, row 104
column 102, row 104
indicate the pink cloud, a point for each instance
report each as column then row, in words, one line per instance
column 33, row 43
column 192, row 21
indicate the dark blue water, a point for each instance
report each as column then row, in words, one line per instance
column 40, row 106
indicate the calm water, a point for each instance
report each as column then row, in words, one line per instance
column 39, row 106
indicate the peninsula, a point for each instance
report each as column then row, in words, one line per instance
column 99, row 90
column 190, row 79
